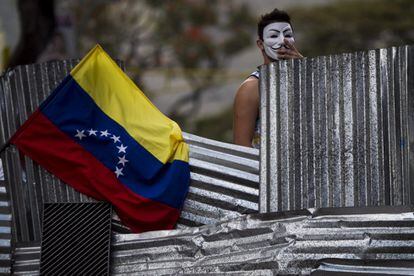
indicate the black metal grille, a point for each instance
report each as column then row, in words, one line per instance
column 76, row 239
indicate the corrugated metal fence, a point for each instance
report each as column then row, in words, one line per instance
column 338, row 131
column 345, row 139
column 224, row 177
column 369, row 240
column 290, row 243
column 5, row 231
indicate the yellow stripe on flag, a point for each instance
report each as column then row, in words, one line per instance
column 117, row 96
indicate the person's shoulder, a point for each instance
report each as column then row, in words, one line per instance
column 255, row 74
column 249, row 89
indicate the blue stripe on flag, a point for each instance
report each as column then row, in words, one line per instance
column 74, row 112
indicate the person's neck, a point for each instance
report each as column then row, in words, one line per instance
column 268, row 60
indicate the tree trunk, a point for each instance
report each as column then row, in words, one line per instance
column 37, row 25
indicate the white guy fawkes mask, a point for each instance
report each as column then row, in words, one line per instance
column 273, row 36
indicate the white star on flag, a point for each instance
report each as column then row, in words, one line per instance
column 92, row 132
column 105, row 133
column 122, row 148
column 118, row 171
column 80, row 134
column 122, row 160
column 115, row 138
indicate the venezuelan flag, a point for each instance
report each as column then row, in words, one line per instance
column 99, row 133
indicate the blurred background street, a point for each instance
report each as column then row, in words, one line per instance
column 190, row 56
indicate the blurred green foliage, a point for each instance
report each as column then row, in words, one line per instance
column 347, row 26
column 201, row 36
column 190, row 40
column 218, row 127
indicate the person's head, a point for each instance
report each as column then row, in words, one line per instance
column 272, row 29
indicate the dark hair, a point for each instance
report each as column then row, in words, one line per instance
column 274, row 16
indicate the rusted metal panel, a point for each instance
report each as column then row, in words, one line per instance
column 338, row 131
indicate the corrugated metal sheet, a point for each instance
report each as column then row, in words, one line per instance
column 76, row 239
column 338, row 130
column 295, row 242
column 224, row 177
column 224, row 181
column 337, row 267
column 339, row 160
column 26, row 259
column 5, row 231
column 22, row 90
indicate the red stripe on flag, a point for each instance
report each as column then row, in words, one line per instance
column 42, row 141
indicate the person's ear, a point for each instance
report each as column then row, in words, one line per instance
column 259, row 43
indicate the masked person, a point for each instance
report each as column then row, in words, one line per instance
column 276, row 42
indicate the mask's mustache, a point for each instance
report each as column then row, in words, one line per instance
column 280, row 46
